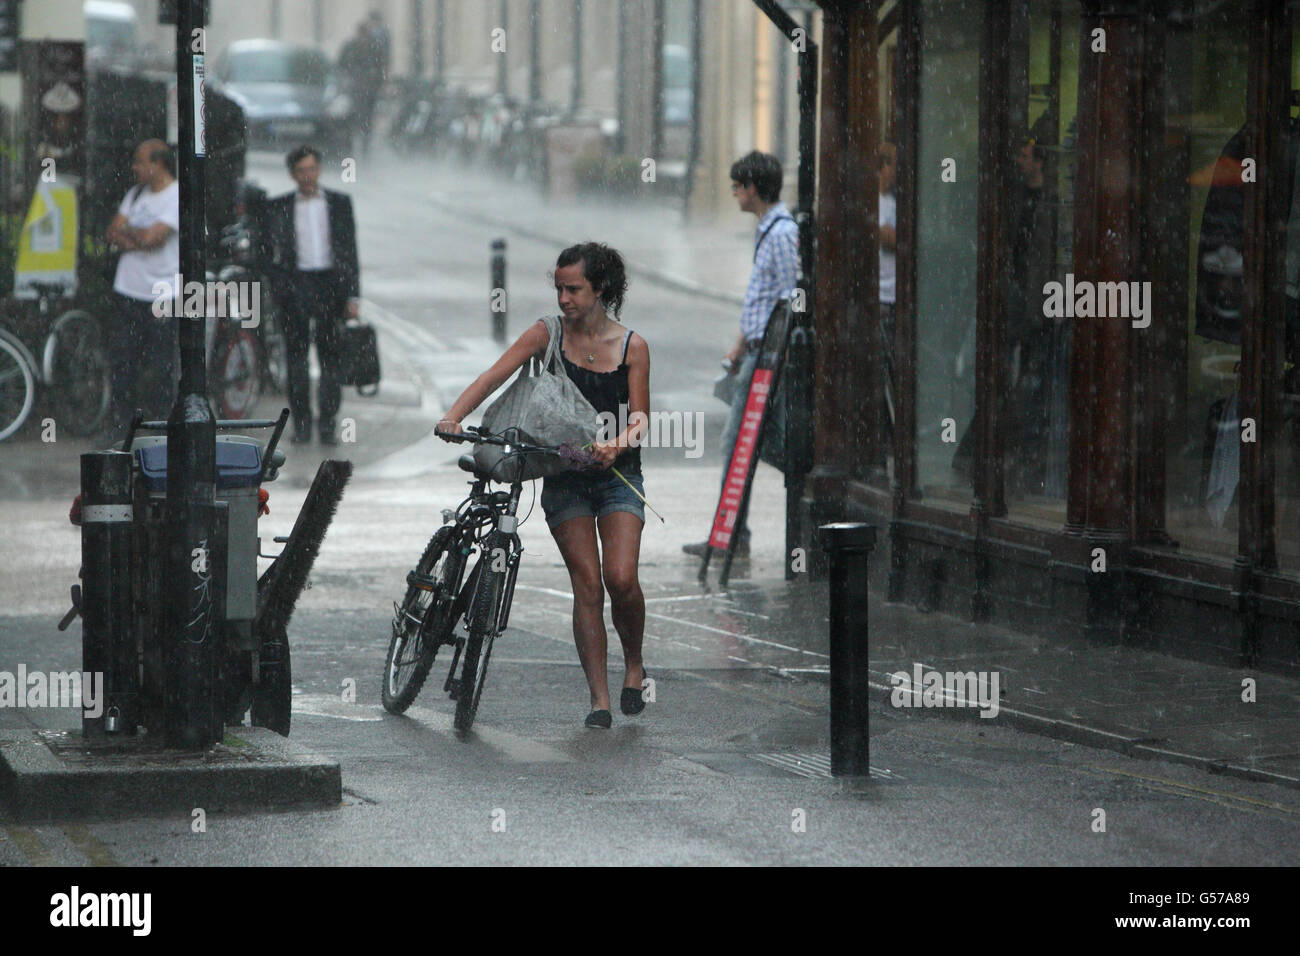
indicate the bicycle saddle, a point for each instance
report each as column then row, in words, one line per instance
column 466, row 463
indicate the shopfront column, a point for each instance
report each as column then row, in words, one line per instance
column 849, row 387
column 1106, row 249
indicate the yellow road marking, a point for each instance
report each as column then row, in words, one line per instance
column 85, row 841
column 31, row 846
column 1203, row 793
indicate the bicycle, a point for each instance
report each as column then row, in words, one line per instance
column 440, row 594
column 73, row 364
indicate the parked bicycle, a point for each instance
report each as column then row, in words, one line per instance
column 73, row 367
column 448, row 601
column 244, row 360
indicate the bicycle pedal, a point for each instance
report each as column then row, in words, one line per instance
column 422, row 581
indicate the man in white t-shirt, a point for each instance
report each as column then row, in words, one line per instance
column 142, row 346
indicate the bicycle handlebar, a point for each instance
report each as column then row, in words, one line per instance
column 477, row 434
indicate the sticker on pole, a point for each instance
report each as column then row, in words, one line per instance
column 200, row 130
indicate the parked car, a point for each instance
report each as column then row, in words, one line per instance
column 286, row 91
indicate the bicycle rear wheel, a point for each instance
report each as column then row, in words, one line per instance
column 237, row 379
column 83, row 386
column 422, row 621
column 17, row 389
column 478, row 645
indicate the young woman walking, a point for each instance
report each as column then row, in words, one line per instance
column 610, row 365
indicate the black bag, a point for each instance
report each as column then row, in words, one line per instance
column 360, row 358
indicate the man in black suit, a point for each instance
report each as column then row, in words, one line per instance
column 312, row 257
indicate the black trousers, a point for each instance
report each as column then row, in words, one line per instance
column 142, row 357
column 314, row 300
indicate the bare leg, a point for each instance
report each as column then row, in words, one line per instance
column 577, row 540
column 620, row 544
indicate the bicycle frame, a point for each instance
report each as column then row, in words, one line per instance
column 481, row 520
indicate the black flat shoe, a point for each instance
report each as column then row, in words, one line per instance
column 599, row 718
column 632, row 701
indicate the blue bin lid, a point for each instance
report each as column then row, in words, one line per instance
column 239, row 465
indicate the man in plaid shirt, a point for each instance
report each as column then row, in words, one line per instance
column 756, row 184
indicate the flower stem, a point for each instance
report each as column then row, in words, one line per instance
column 638, row 494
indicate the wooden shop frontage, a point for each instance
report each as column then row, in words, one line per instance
column 1081, row 413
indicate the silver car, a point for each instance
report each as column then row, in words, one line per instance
column 286, row 91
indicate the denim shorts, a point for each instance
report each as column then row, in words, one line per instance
column 578, row 494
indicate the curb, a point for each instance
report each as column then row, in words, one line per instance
column 47, row 775
column 658, row 276
column 1144, row 748
column 1076, row 733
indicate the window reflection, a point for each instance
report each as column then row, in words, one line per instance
column 946, row 228
column 1035, row 412
column 1205, row 86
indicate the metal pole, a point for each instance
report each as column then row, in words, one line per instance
column 849, row 545
column 534, row 54
column 575, row 97
column 439, row 28
column 798, row 393
column 498, row 305
column 657, row 82
column 107, row 640
column 620, row 94
column 190, row 716
column 503, row 62
column 417, row 38
column 697, row 50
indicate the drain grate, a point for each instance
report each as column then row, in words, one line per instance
column 814, row 765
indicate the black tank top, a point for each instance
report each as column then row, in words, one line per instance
column 607, row 391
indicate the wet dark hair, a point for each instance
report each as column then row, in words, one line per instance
column 603, row 267
column 762, row 170
column 297, row 155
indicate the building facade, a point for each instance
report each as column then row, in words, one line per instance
column 1091, row 420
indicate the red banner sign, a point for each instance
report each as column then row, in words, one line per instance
column 733, row 492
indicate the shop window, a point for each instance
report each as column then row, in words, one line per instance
column 945, row 242
column 1039, row 209
column 1205, row 139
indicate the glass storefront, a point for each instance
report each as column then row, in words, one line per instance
column 1205, row 118
column 1040, row 212
column 946, row 228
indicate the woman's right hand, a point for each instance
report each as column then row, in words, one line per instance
column 451, row 425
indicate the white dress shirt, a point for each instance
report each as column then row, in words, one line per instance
column 311, row 223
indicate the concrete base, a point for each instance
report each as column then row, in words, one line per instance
column 50, row 775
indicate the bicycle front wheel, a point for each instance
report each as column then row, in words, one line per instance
column 478, row 645
column 422, row 621
column 17, row 389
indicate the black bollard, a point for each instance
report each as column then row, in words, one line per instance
column 849, row 545
column 497, row 303
column 107, row 642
